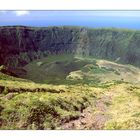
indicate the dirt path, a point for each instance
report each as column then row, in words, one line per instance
column 93, row 117
column 117, row 108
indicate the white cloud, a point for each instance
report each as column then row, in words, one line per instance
column 21, row 13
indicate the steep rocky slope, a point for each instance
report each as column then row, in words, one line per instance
column 20, row 45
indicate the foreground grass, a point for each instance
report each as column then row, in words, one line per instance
column 27, row 105
column 44, row 110
column 125, row 108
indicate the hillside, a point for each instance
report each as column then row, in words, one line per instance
column 69, row 69
column 28, row 105
column 20, row 45
column 69, row 78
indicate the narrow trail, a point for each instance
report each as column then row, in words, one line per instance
column 93, row 117
column 117, row 108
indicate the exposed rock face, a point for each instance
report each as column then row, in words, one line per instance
column 20, row 45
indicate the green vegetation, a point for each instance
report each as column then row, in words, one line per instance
column 58, row 105
column 44, row 110
column 124, row 109
column 69, row 78
column 69, row 69
column 78, row 83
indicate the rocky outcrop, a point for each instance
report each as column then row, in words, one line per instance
column 20, row 45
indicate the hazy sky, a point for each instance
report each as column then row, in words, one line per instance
column 117, row 19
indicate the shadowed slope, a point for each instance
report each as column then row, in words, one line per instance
column 20, row 45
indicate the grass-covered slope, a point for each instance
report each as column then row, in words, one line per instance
column 26, row 105
column 69, row 69
column 81, row 93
